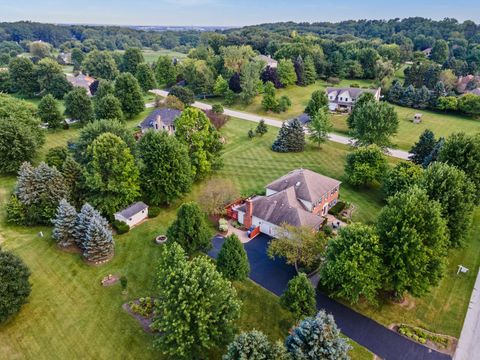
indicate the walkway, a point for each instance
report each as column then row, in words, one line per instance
column 274, row 275
column 469, row 343
column 400, row 154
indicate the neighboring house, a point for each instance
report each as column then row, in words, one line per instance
column 133, row 214
column 81, row 80
column 304, row 119
column 160, row 119
column 427, row 52
column 267, row 59
column 300, row 198
column 464, row 81
column 343, row 99
column 64, row 58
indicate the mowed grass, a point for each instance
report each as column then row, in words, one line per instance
column 151, row 56
column 442, row 124
column 70, row 315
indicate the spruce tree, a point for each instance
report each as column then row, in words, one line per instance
column 291, row 137
column 254, row 345
column 49, row 113
column 300, row 71
column 317, row 338
column 395, row 93
column 64, row 224
column 299, row 297
column 84, row 217
column 269, row 101
column 423, row 147
column 232, row 260
column 434, row 154
column 98, row 245
column 74, row 181
column 261, row 128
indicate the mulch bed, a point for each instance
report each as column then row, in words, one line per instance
column 144, row 322
column 110, row 280
column 452, row 344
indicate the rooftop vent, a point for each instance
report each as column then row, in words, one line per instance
column 298, row 184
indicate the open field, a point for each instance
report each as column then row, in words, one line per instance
column 69, row 315
column 151, row 56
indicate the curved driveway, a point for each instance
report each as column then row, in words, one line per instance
column 400, row 154
column 274, row 275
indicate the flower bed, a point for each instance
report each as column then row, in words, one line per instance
column 438, row 342
column 161, row 239
column 143, row 306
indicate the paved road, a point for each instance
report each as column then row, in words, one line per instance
column 274, row 275
column 277, row 123
column 469, row 343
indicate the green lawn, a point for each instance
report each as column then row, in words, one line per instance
column 151, row 56
column 69, row 315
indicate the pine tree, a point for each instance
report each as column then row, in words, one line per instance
column 99, row 244
column 299, row 297
column 317, row 338
column 423, row 147
column 64, row 224
column 291, row 137
column 84, row 217
column 49, row 113
column 395, row 93
column 261, row 128
column 232, row 260
column 433, row 156
column 254, row 345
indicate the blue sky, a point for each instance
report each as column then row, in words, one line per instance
column 229, row 12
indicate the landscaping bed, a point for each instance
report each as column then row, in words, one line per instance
column 142, row 310
column 442, row 343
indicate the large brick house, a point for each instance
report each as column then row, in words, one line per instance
column 300, row 198
column 162, row 119
column 343, row 99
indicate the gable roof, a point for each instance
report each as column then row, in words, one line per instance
column 133, row 209
column 354, row 92
column 308, row 185
column 283, row 207
column 167, row 115
column 80, row 80
column 304, row 119
column 267, row 59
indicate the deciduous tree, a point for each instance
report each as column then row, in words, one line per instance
column 165, row 71
column 365, row 165
column 318, row 101
column 146, row 77
column 401, row 177
column 319, row 127
column 132, row 57
column 286, row 72
column 78, row 105
column 100, row 64
column 299, row 297
column 108, row 107
column 49, row 112
column 129, row 93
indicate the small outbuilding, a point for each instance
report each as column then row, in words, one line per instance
column 417, row 118
column 133, row 215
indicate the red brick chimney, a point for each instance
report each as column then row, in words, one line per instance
column 247, row 218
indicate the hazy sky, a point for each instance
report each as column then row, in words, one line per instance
column 229, row 12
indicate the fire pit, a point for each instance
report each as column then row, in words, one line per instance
column 161, row 239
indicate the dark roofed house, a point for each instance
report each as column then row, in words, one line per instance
column 343, row 99
column 133, row 214
column 161, row 119
column 304, row 119
column 300, row 198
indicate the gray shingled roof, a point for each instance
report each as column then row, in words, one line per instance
column 80, row 80
column 283, row 207
column 167, row 115
column 303, row 118
column 309, row 185
column 354, row 92
column 132, row 209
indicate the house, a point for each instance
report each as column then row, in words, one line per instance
column 133, row 215
column 300, row 198
column 427, row 52
column 64, row 58
column 343, row 99
column 417, row 118
column 303, row 118
column 267, row 59
column 468, row 84
column 160, row 119
column 81, row 80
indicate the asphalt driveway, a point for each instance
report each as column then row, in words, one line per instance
column 274, row 275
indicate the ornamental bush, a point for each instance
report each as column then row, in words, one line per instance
column 232, row 260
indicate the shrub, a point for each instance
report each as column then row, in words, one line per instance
column 153, row 211
column 333, row 80
column 217, row 108
column 123, row 282
column 223, row 225
column 337, row 208
column 120, row 227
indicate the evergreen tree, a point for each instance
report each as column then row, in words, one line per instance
column 15, row 287
column 317, row 338
column 98, row 245
column 319, row 127
column 49, row 112
column 165, row 169
column 84, row 218
column 395, row 94
column 221, row 86
column 108, row 107
column 112, row 177
column 261, row 128
column 300, row 71
column 409, row 97
column 165, row 71
column 129, row 93
column 254, row 345
column 74, row 181
column 146, row 77
column 190, row 229
column 433, row 156
column 423, row 147
column 438, row 92
column 422, row 97
column 318, row 101
column 56, row 156
column 64, row 224
column 310, row 74
column 78, row 105
column 269, row 101
column 232, row 260
column 291, row 137
column 15, row 211
column 299, row 297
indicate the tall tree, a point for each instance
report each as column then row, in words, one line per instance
column 100, row 64
column 221, row 86
column 78, row 105
column 64, row 224
column 111, row 177
column 413, row 236
column 423, row 147
column 318, row 101
column 49, row 112
column 319, row 127
column 132, row 57
column 84, row 218
column 353, row 264
column 269, row 101
column 108, row 107
column 254, row 345
column 310, row 74
column 98, row 245
column 232, row 260
column 440, row 51
column 165, row 71
column 299, row 297
column 456, row 194
column 190, row 229
column 249, row 80
column 74, row 180
column 15, row 288
column 165, row 169
column 365, row 165
column 300, row 71
column 185, row 95
column 194, row 130
column 129, row 93
column 18, row 143
column 199, row 307
column 401, row 177
column 291, row 137
column 51, row 78
column 77, row 58
column 146, row 77
column 286, row 72
column 22, row 76
column 317, row 338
